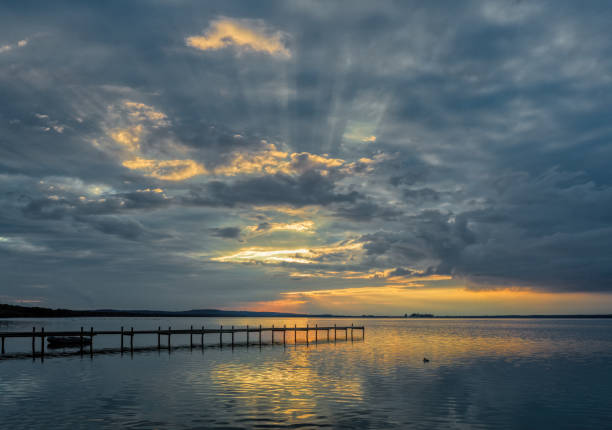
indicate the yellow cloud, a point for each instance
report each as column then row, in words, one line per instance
column 302, row 227
column 305, row 211
column 151, row 190
column 240, row 33
column 128, row 137
column 268, row 160
column 271, row 160
column 167, row 170
column 254, row 255
column 339, row 253
column 128, row 141
column 142, row 112
column 369, row 139
column 382, row 275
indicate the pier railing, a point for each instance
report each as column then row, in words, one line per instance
column 86, row 337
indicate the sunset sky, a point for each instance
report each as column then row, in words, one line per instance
column 303, row 156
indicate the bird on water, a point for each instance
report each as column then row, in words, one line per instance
column 425, row 360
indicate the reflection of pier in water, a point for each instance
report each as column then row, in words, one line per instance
column 87, row 337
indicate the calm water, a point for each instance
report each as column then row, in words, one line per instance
column 499, row 374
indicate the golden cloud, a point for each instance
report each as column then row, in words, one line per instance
column 142, row 112
column 128, row 137
column 339, row 253
column 302, row 227
column 271, row 160
column 127, row 140
column 242, row 34
column 167, row 170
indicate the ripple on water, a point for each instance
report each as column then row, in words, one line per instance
column 482, row 374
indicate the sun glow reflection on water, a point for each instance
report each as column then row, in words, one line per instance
column 482, row 374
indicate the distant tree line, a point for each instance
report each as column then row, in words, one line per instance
column 415, row 315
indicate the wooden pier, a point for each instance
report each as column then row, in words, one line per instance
column 87, row 336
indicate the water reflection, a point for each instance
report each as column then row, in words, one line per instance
column 291, row 387
column 482, row 374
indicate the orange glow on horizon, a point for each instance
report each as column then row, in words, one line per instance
column 400, row 299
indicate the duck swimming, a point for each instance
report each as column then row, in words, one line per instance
column 425, row 360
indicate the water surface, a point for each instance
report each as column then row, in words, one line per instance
column 483, row 373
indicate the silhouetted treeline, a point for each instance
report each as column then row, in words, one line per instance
column 13, row 311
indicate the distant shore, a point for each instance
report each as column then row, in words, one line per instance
column 14, row 311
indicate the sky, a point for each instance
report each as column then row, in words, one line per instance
column 348, row 157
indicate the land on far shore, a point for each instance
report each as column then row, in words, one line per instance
column 14, row 311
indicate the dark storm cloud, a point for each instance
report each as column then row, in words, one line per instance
column 493, row 117
column 310, row 188
column 366, row 211
column 125, row 228
column 552, row 231
column 54, row 208
column 226, row 232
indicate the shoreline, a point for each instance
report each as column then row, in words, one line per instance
column 14, row 311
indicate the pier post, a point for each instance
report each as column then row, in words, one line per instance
column 272, row 334
column 33, row 338
column 351, row 332
column 232, row 336
column 316, row 333
column 284, row 334
column 191, row 338
column 132, row 340
column 158, row 337
column 306, row 334
column 221, row 337
column 260, row 335
column 122, row 339
column 42, row 342
column 81, row 340
column 91, row 344
column 169, row 330
column 335, row 337
column 202, row 339
column 247, row 335
column 295, row 334
column 2, row 345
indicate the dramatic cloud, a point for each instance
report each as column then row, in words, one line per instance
column 307, row 156
column 242, row 34
column 167, row 170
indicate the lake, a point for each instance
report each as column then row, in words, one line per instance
column 482, row 373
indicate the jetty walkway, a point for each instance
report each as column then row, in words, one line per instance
column 86, row 337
